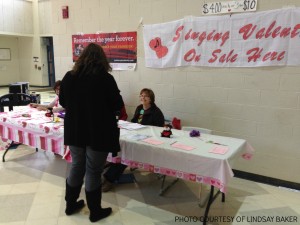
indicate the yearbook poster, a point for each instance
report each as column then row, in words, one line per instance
column 120, row 47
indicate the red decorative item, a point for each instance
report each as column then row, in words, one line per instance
column 156, row 45
column 167, row 131
column 176, row 123
column 49, row 112
column 65, row 12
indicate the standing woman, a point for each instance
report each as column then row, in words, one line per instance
column 91, row 133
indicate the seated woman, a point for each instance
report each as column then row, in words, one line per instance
column 147, row 113
column 54, row 104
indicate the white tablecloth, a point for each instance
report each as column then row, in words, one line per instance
column 198, row 164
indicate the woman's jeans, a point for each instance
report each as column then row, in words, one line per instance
column 88, row 163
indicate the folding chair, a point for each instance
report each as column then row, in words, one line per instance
column 14, row 99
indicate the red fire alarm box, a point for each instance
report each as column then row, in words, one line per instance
column 65, row 12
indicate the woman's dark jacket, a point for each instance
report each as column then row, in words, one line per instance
column 90, row 103
column 152, row 116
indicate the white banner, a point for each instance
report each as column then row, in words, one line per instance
column 270, row 38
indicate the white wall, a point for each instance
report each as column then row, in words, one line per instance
column 16, row 17
column 45, row 30
column 9, row 70
column 261, row 105
column 16, row 20
column 45, row 17
column 25, row 21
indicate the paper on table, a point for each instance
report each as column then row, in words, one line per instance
column 121, row 122
column 123, row 132
column 219, row 150
column 153, row 141
column 137, row 137
column 182, row 146
column 131, row 126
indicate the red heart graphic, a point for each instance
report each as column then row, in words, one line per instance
column 156, row 45
column 192, row 177
column 151, row 168
column 47, row 129
column 161, row 51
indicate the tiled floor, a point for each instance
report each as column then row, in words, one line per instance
column 32, row 193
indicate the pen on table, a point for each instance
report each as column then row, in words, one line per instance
column 173, row 142
column 215, row 143
column 219, row 144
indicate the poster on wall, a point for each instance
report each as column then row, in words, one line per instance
column 270, row 38
column 120, row 47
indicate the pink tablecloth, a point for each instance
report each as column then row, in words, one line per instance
column 33, row 128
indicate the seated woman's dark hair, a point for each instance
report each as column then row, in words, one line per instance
column 150, row 93
column 57, row 85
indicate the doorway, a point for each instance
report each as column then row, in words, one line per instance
column 50, row 60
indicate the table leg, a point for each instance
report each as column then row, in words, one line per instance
column 211, row 199
column 3, row 157
column 164, row 189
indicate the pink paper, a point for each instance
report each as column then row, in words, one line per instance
column 181, row 146
column 219, row 150
column 153, row 141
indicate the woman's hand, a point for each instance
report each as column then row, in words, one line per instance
column 41, row 108
column 38, row 107
column 34, row 105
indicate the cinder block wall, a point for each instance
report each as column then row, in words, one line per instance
column 261, row 105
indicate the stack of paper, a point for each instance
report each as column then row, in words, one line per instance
column 131, row 126
column 137, row 137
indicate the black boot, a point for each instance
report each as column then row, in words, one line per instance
column 72, row 194
column 93, row 199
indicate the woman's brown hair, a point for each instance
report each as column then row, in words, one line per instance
column 57, row 85
column 91, row 60
column 150, row 93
